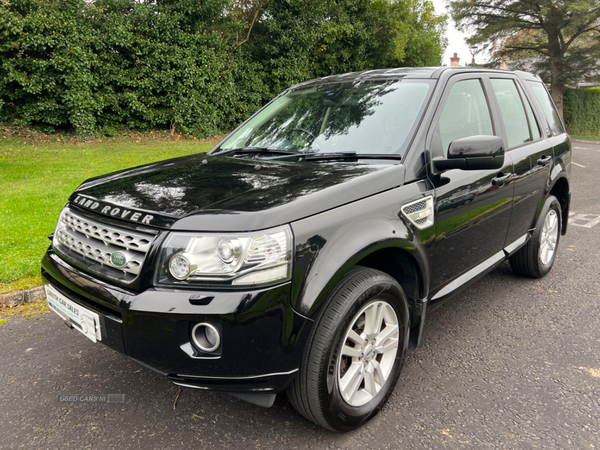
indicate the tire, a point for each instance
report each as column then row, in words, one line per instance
column 317, row 391
column 536, row 258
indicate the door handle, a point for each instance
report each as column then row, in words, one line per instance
column 544, row 160
column 501, row 179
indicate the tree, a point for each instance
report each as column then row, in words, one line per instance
column 563, row 35
column 410, row 34
column 198, row 66
column 295, row 40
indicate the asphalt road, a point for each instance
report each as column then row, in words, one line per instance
column 510, row 363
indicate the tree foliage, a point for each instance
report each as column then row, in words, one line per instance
column 193, row 65
column 563, row 36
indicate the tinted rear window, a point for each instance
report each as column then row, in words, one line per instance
column 545, row 101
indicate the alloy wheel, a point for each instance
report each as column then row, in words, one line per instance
column 369, row 349
column 548, row 237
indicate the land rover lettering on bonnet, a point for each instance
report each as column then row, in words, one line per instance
column 303, row 253
column 120, row 213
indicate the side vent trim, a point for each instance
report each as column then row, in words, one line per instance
column 420, row 212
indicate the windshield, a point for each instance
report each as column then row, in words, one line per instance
column 373, row 117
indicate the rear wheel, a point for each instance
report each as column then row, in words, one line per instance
column 355, row 352
column 536, row 258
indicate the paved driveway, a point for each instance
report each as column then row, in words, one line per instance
column 509, row 363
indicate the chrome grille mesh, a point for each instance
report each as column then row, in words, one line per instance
column 414, row 207
column 97, row 242
column 106, row 234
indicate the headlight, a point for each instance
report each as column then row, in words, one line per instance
column 237, row 259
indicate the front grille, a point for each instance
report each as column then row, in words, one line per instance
column 97, row 242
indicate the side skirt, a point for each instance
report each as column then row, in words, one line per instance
column 465, row 280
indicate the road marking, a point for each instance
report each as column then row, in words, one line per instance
column 593, row 372
column 584, row 220
column 579, row 165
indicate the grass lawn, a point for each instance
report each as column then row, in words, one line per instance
column 585, row 137
column 37, row 177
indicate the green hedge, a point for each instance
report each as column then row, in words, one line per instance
column 193, row 65
column 582, row 111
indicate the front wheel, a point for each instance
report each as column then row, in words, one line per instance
column 355, row 352
column 536, row 258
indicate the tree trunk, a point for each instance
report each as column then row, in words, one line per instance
column 556, row 90
column 555, row 55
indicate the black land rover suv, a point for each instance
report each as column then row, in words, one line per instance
column 303, row 252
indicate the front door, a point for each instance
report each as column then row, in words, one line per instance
column 472, row 206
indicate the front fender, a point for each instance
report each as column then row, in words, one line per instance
column 328, row 245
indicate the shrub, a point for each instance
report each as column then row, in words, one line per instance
column 195, row 66
column 582, row 111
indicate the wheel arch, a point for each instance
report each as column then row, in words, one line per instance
column 560, row 189
column 399, row 259
column 405, row 269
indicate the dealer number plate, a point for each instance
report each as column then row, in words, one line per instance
column 82, row 319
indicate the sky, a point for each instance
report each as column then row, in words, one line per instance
column 456, row 39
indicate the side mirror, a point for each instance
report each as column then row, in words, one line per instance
column 473, row 153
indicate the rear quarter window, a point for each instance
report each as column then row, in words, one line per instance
column 541, row 94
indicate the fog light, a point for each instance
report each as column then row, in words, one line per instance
column 206, row 337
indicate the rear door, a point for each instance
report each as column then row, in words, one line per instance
column 531, row 154
column 472, row 206
column 554, row 127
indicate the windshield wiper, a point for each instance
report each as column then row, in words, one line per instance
column 243, row 150
column 351, row 155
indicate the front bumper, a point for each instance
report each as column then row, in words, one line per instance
column 262, row 337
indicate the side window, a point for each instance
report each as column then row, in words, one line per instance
column 465, row 114
column 533, row 125
column 542, row 96
column 512, row 110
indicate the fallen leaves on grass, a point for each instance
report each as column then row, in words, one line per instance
column 26, row 309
